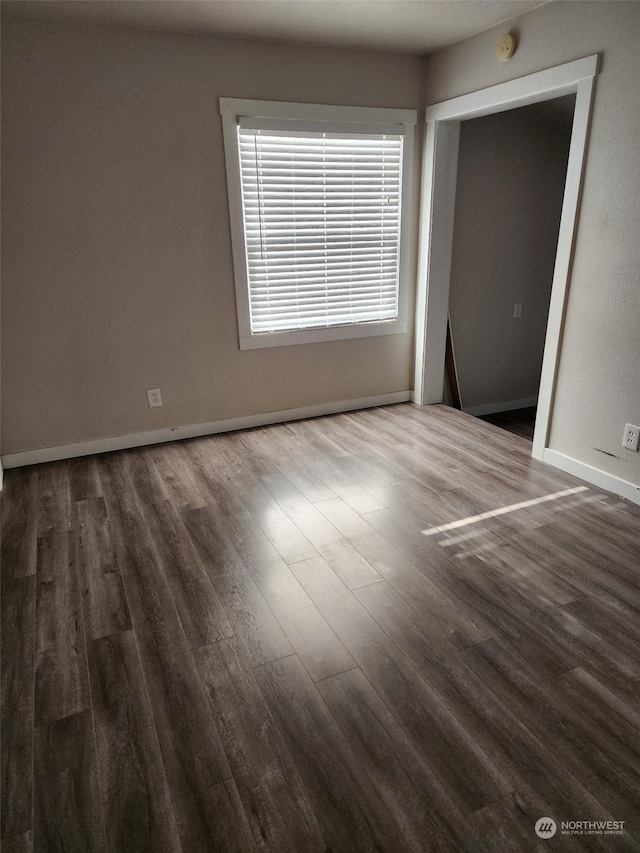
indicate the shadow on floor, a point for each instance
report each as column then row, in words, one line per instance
column 519, row 421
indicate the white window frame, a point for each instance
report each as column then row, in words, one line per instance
column 323, row 116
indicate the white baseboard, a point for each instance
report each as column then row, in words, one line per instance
column 139, row 439
column 1, row 475
column 592, row 475
column 505, row 406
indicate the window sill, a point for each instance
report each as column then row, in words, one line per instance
column 310, row 336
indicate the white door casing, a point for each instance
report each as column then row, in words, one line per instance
column 440, row 166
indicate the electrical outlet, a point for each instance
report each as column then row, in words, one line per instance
column 631, row 437
column 517, row 310
column 154, row 397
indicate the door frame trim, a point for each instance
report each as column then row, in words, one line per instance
column 439, row 176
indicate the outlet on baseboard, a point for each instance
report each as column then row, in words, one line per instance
column 154, row 397
column 631, row 437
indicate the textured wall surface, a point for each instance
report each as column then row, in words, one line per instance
column 117, row 266
column 511, row 174
column 598, row 386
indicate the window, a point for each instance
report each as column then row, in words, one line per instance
column 319, row 203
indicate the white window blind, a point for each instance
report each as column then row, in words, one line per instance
column 322, row 214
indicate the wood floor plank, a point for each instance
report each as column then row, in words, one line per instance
column 177, row 475
column 509, row 565
column 18, row 645
column 103, row 598
column 584, row 711
column 600, row 691
column 306, row 629
column 614, row 523
column 276, row 524
column 442, row 616
column 344, row 486
column 22, row 843
column 321, row 652
column 146, row 589
column 408, row 496
column 359, row 439
column 269, row 786
column 343, row 558
column 548, row 711
column 214, row 819
column 530, row 622
column 305, row 480
column 67, row 806
column 201, row 614
column 499, row 732
column 240, row 473
column 245, row 472
column 315, row 435
column 487, row 496
column 459, row 518
column 370, row 455
column 562, row 560
column 504, row 453
column 285, row 536
column 190, row 744
column 61, row 675
column 412, row 537
column 372, row 472
column 19, row 509
column 288, row 458
column 614, row 640
column 440, row 468
column 539, row 771
column 258, row 631
column 351, row 813
column 84, row 481
column 217, row 554
column 598, row 549
column 135, row 795
column 211, row 476
column 458, row 433
column 474, row 448
column 434, row 729
column 406, row 784
column 402, row 624
column 54, row 497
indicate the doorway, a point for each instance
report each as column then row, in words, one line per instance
column 510, row 183
column 437, row 221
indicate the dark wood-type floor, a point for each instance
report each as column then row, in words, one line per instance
column 518, row 421
column 284, row 639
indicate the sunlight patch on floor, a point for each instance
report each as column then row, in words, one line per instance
column 503, row 510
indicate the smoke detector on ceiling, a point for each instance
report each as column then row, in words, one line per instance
column 506, row 47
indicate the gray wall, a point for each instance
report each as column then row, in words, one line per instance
column 598, row 385
column 511, row 173
column 117, row 269
column 116, row 245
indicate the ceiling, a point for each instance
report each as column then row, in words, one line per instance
column 405, row 26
